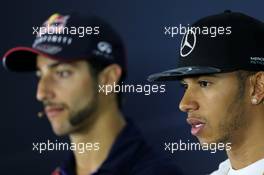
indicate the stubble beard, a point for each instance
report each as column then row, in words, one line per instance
column 236, row 121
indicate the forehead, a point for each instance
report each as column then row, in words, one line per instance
column 47, row 62
column 44, row 61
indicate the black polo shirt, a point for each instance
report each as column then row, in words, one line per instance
column 129, row 155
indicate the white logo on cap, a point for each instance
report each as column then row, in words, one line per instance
column 189, row 69
column 188, row 43
column 51, row 49
column 104, row 47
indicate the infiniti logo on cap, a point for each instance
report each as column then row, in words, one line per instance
column 104, row 47
column 188, row 43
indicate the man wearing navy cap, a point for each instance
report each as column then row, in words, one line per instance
column 223, row 78
column 73, row 55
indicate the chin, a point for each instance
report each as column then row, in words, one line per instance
column 212, row 140
column 60, row 131
column 203, row 140
column 60, row 134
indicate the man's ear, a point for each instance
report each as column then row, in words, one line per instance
column 110, row 75
column 257, row 87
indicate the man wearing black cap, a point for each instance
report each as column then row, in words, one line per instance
column 223, row 77
column 70, row 68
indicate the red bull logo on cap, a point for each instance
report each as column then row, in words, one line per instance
column 56, row 20
column 55, row 24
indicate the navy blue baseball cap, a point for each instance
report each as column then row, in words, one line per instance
column 236, row 45
column 68, row 38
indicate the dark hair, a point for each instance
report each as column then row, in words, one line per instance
column 96, row 66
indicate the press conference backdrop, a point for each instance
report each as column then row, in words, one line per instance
column 141, row 24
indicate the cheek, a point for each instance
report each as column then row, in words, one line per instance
column 76, row 92
column 218, row 105
column 83, row 93
column 215, row 104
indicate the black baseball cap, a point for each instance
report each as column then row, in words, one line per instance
column 237, row 45
column 68, row 38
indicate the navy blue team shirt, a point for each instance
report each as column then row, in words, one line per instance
column 129, row 155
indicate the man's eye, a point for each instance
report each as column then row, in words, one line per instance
column 203, row 83
column 184, row 86
column 63, row 73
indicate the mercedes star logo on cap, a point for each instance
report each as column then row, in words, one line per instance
column 188, row 43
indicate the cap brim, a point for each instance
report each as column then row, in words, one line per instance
column 178, row 73
column 23, row 59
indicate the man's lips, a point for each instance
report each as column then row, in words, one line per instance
column 196, row 124
column 53, row 111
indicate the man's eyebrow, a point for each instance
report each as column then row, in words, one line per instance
column 204, row 75
column 196, row 77
column 53, row 65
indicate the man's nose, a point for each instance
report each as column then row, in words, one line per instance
column 44, row 90
column 189, row 102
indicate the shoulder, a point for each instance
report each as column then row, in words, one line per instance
column 223, row 168
column 139, row 157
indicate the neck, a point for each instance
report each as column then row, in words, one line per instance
column 99, row 136
column 248, row 144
